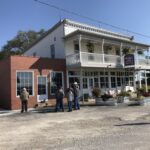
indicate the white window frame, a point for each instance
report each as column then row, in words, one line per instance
column 46, row 83
column 32, row 81
column 51, row 80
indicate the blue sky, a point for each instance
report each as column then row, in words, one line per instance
column 23, row 15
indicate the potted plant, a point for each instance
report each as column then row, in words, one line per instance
column 123, row 96
column 126, row 51
column 140, row 52
column 90, row 47
column 96, row 92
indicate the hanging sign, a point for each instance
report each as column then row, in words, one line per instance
column 129, row 60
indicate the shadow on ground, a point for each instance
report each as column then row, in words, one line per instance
column 134, row 124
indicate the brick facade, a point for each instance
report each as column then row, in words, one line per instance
column 40, row 66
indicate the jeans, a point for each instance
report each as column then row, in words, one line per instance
column 77, row 105
column 70, row 105
column 24, row 106
column 59, row 105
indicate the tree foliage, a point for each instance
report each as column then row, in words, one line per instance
column 20, row 43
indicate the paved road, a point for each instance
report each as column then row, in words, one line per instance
column 91, row 128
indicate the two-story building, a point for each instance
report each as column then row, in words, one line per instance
column 92, row 56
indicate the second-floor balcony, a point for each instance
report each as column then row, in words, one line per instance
column 93, row 60
column 103, row 60
column 90, row 50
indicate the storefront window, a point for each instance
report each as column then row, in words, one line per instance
column 24, row 80
column 56, row 80
column 96, row 83
column 113, row 82
column 41, row 85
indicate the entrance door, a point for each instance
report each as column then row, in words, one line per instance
column 90, row 85
column 42, row 89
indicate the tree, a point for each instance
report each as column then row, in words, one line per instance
column 20, row 43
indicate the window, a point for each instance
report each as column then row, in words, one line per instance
column 85, row 86
column 25, row 80
column 52, row 48
column 113, row 82
column 56, row 80
column 76, row 48
column 96, row 82
column 42, row 85
column 34, row 54
column 104, row 82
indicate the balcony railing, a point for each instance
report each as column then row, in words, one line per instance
column 92, row 58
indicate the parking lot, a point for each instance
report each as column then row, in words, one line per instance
column 91, row 128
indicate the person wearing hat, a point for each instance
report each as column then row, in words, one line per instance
column 76, row 96
column 24, row 97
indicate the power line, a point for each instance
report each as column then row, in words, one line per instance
column 91, row 19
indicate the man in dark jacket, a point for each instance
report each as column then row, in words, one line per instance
column 59, row 99
column 24, row 97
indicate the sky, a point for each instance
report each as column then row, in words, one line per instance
column 24, row 15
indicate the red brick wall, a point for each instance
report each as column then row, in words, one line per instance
column 5, row 84
column 40, row 66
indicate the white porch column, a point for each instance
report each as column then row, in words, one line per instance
column 137, row 58
column 134, row 79
column 80, row 47
column 140, row 79
column 103, row 41
column 121, row 54
column 81, row 84
column 146, row 81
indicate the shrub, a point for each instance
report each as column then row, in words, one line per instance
column 96, row 92
column 124, row 93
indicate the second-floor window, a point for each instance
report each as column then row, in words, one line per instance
column 52, row 50
column 76, row 48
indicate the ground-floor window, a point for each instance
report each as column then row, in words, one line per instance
column 113, row 82
column 42, row 85
column 24, row 80
column 56, row 80
column 85, row 83
column 104, row 82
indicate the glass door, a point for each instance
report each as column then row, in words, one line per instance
column 42, row 89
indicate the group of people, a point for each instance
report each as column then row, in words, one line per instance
column 72, row 94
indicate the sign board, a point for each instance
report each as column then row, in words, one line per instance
column 129, row 60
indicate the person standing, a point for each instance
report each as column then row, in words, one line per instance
column 76, row 96
column 70, row 98
column 59, row 99
column 24, row 96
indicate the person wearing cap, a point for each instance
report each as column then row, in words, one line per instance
column 24, row 97
column 76, row 96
